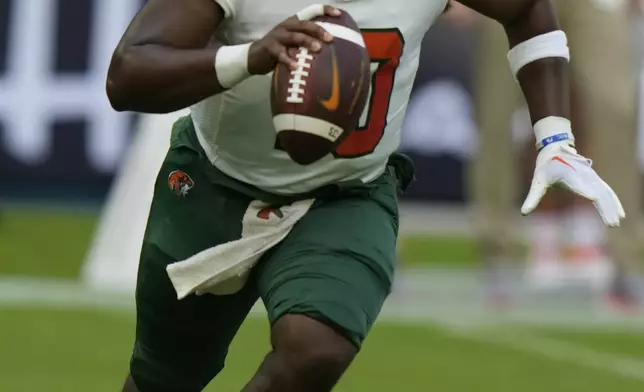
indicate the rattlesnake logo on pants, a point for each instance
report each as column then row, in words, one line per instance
column 180, row 183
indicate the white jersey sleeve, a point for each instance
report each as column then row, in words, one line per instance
column 228, row 6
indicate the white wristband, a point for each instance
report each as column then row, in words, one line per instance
column 231, row 64
column 553, row 129
column 553, row 44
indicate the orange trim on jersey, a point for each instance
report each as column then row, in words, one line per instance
column 385, row 48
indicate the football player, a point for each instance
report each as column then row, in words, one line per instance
column 224, row 188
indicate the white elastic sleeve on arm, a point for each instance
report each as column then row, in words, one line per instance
column 553, row 44
column 231, row 64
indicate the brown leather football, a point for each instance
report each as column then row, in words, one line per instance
column 317, row 105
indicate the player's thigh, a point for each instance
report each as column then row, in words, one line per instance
column 336, row 265
column 181, row 344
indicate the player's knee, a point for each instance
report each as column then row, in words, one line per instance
column 314, row 354
column 326, row 364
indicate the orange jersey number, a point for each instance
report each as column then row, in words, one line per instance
column 385, row 48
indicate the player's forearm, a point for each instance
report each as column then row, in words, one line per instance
column 546, row 88
column 158, row 79
column 544, row 82
column 543, row 79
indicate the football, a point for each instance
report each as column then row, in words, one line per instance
column 318, row 104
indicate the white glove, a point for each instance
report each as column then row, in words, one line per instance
column 559, row 164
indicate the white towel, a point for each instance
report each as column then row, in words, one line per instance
column 224, row 269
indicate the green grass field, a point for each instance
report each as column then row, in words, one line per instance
column 57, row 350
column 66, row 349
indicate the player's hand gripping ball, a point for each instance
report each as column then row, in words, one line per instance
column 318, row 101
column 295, row 31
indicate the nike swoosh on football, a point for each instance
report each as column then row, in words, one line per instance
column 333, row 101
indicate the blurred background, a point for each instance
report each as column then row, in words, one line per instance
column 484, row 300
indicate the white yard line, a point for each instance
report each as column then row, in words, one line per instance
column 409, row 306
column 58, row 294
column 557, row 350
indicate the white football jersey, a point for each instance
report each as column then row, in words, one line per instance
column 236, row 129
